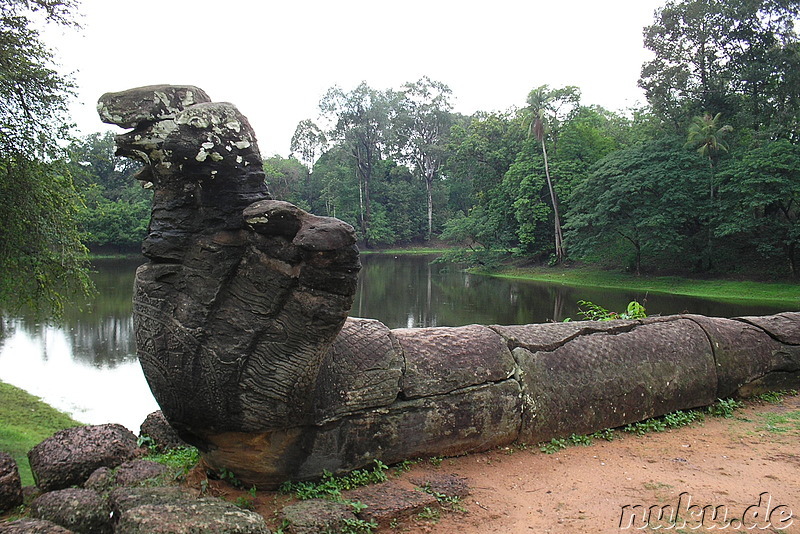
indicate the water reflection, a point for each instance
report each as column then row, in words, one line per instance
column 407, row 291
column 88, row 365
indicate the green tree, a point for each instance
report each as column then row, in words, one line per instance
column 422, row 126
column 643, row 203
column 760, row 198
column 308, row 142
column 288, row 179
column 726, row 55
column 708, row 137
column 42, row 261
column 544, row 115
column 116, row 209
column 360, row 119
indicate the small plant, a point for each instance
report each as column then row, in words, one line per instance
column 594, row 312
column 724, row 408
column 643, row 427
column 228, row 476
column 775, row 397
column 553, row 446
column 436, row 461
column 178, row 461
column 245, row 502
column 331, row 487
column 580, row 439
column 357, row 526
column 606, row 434
column 453, row 502
column 146, row 441
column 681, row 418
column 429, row 514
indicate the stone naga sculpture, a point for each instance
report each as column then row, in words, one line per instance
column 242, row 329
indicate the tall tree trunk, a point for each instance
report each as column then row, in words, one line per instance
column 559, row 237
column 429, row 190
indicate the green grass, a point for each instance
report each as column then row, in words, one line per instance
column 728, row 290
column 25, row 421
column 403, row 251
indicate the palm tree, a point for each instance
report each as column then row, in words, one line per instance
column 539, row 104
column 707, row 136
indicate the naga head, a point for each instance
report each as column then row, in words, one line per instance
column 200, row 157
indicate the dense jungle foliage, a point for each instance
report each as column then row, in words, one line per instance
column 703, row 179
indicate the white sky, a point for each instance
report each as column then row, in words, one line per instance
column 275, row 60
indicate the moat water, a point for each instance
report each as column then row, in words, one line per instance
column 87, row 366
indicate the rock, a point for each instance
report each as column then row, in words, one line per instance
column 623, row 373
column 32, row 526
column 80, row 510
column 10, row 483
column 316, row 515
column 207, row 515
column 137, row 471
column 130, row 473
column 102, row 480
column 157, row 428
column 70, row 456
column 475, row 355
column 390, row 500
column 126, row 498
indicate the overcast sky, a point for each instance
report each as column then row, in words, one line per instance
column 275, row 60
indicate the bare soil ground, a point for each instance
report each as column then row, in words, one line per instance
column 745, row 468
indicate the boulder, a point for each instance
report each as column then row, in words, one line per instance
column 79, row 510
column 316, row 515
column 10, row 483
column 207, row 515
column 70, row 456
column 126, row 498
column 137, row 471
column 32, row 526
column 157, row 428
column 130, row 473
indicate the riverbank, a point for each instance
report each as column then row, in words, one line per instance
column 25, row 421
column 718, row 289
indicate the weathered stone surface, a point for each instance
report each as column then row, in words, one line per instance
column 784, row 327
column 129, row 473
column 207, row 515
column 133, row 107
column 441, row 360
column 137, row 471
column 70, row 456
column 315, row 516
column 550, row 336
column 470, row 420
column 126, row 498
column 390, row 500
column 10, row 483
column 237, row 281
column 101, row 480
column 361, row 371
column 608, row 379
column 32, row 526
column 748, row 360
column 156, row 427
column 80, row 510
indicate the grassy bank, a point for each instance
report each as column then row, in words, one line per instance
column 728, row 290
column 24, row 422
